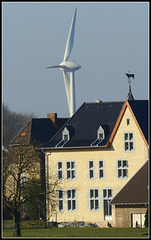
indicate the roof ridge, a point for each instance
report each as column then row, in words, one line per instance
column 48, row 118
column 104, row 102
column 116, row 101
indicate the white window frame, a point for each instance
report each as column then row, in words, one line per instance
column 91, row 169
column 60, row 200
column 72, row 199
column 128, row 142
column 101, row 169
column 60, row 170
column 70, row 170
column 94, row 199
column 107, row 199
column 122, row 168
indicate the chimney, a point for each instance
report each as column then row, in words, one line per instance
column 52, row 116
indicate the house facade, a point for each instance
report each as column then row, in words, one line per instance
column 94, row 155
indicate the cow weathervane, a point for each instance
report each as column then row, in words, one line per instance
column 130, row 75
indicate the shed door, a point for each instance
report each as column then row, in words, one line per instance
column 138, row 220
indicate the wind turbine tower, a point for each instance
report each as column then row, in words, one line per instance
column 67, row 66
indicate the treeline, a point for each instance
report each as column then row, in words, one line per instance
column 12, row 124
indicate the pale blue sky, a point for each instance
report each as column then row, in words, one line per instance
column 110, row 39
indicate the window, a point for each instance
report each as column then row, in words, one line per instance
column 21, row 157
column 94, row 199
column 65, row 138
column 71, row 200
column 60, row 200
column 128, row 141
column 122, row 168
column 107, row 195
column 128, row 121
column 60, row 170
column 101, row 170
column 23, row 181
column 91, row 169
column 100, row 137
column 70, row 166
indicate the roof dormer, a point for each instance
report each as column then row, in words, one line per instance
column 65, row 134
column 100, row 136
column 65, row 138
column 100, row 133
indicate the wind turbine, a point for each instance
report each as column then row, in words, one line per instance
column 70, row 67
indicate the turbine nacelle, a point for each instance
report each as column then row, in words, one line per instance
column 69, row 66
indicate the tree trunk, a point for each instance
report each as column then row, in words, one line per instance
column 17, row 232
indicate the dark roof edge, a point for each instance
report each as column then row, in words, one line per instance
column 128, row 182
column 145, row 203
column 73, row 148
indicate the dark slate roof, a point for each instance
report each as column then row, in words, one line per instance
column 136, row 190
column 24, row 136
column 38, row 131
column 83, row 125
column 140, row 109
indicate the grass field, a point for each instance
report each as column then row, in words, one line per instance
column 36, row 229
column 81, row 232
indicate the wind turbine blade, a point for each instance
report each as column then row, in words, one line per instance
column 69, row 44
column 67, row 87
column 55, row 66
column 72, row 93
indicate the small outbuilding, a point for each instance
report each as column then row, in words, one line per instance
column 131, row 202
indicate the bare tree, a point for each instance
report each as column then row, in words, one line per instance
column 22, row 183
column 20, row 164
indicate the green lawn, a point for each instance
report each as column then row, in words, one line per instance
column 80, row 232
